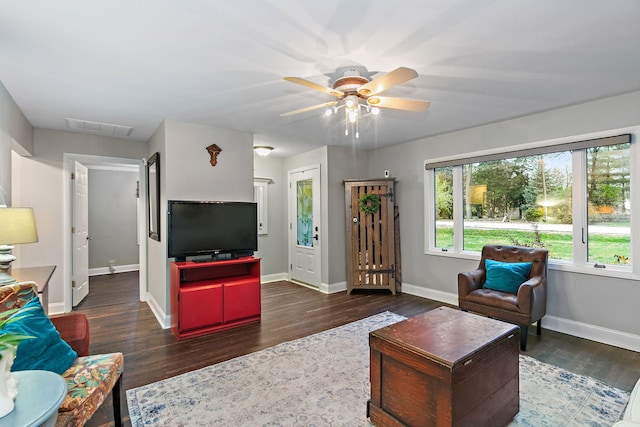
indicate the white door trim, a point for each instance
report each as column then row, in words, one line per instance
column 67, row 246
column 79, row 236
column 291, row 204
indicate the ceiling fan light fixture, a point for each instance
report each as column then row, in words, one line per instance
column 351, row 101
column 355, row 91
column 262, row 150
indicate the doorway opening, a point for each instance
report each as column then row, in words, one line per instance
column 69, row 247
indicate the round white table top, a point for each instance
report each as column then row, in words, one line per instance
column 40, row 394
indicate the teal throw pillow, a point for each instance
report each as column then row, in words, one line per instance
column 506, row 276
column 47, row 351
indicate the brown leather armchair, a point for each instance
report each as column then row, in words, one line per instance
column 529, row 305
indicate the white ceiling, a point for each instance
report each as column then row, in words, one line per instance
column 221, row 63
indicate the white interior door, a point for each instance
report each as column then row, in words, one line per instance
column 80, row 232
column 304, row 226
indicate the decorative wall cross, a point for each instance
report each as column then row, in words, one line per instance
column 214, row 150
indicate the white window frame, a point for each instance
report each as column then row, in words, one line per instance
column 261, row 197
column 579, row 263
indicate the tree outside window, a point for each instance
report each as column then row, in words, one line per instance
column 528, row 201
column 444, row 207
column 609, row 213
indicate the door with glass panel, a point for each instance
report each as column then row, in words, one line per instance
column 304, row 225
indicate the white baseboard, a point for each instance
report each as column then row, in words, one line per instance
column 99, row 271
column 56, row 308
column 592, row 332
column 558, row 324
column 324, row 288
column 335, row 287
column 433, row 294
column 163, row 319
column 273, row 277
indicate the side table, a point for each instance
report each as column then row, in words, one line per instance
column 40, row 275
column 40, row 394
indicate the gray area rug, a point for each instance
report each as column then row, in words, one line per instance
column 323, row 380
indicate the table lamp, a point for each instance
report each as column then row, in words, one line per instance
column 17, row 226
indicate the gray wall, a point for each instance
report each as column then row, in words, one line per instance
column 576, row 302
column 40, row 180
column 311, row 158
column 186, row 174
column 336, row 164
column 113, row 207
column 157, row 267
column 343, row 163
column 16, row 134
column 272, row 247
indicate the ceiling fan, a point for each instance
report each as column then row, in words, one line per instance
column 358, row 92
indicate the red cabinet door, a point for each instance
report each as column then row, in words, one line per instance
column 200, row 306
column 241, row 299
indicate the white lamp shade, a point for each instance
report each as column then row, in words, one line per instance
column 17, row 225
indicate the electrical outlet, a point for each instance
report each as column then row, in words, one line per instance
column 386, row 174
column 112, row 261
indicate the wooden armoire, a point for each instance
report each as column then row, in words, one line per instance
column 373, row 239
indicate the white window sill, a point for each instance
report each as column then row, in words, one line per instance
column 609, row 271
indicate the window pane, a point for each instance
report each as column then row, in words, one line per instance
column 304, row 212
column 524, row 201
column 444, row 207
column 609, row 211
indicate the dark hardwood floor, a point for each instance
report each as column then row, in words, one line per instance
column 119, row 322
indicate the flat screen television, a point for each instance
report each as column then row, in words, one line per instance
column 224, row 230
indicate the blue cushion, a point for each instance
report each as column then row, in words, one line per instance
column 47, row 351
column 506, row 276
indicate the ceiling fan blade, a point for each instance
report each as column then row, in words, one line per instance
column 397, row 76
column 313, row 107
column 315, row 86
column 398, row 103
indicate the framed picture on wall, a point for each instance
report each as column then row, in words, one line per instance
column 153, row 196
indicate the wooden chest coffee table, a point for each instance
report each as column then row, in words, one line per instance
column 444, row 368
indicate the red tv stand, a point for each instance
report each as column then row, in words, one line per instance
column 212, row 296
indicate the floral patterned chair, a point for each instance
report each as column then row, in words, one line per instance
column 90, row 378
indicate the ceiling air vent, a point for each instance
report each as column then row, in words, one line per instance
column 98, row 128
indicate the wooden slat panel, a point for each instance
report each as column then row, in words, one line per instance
column 363, row 241
column 375, row 231
column 384, row 214
column 369, row 249
column 371, row 237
